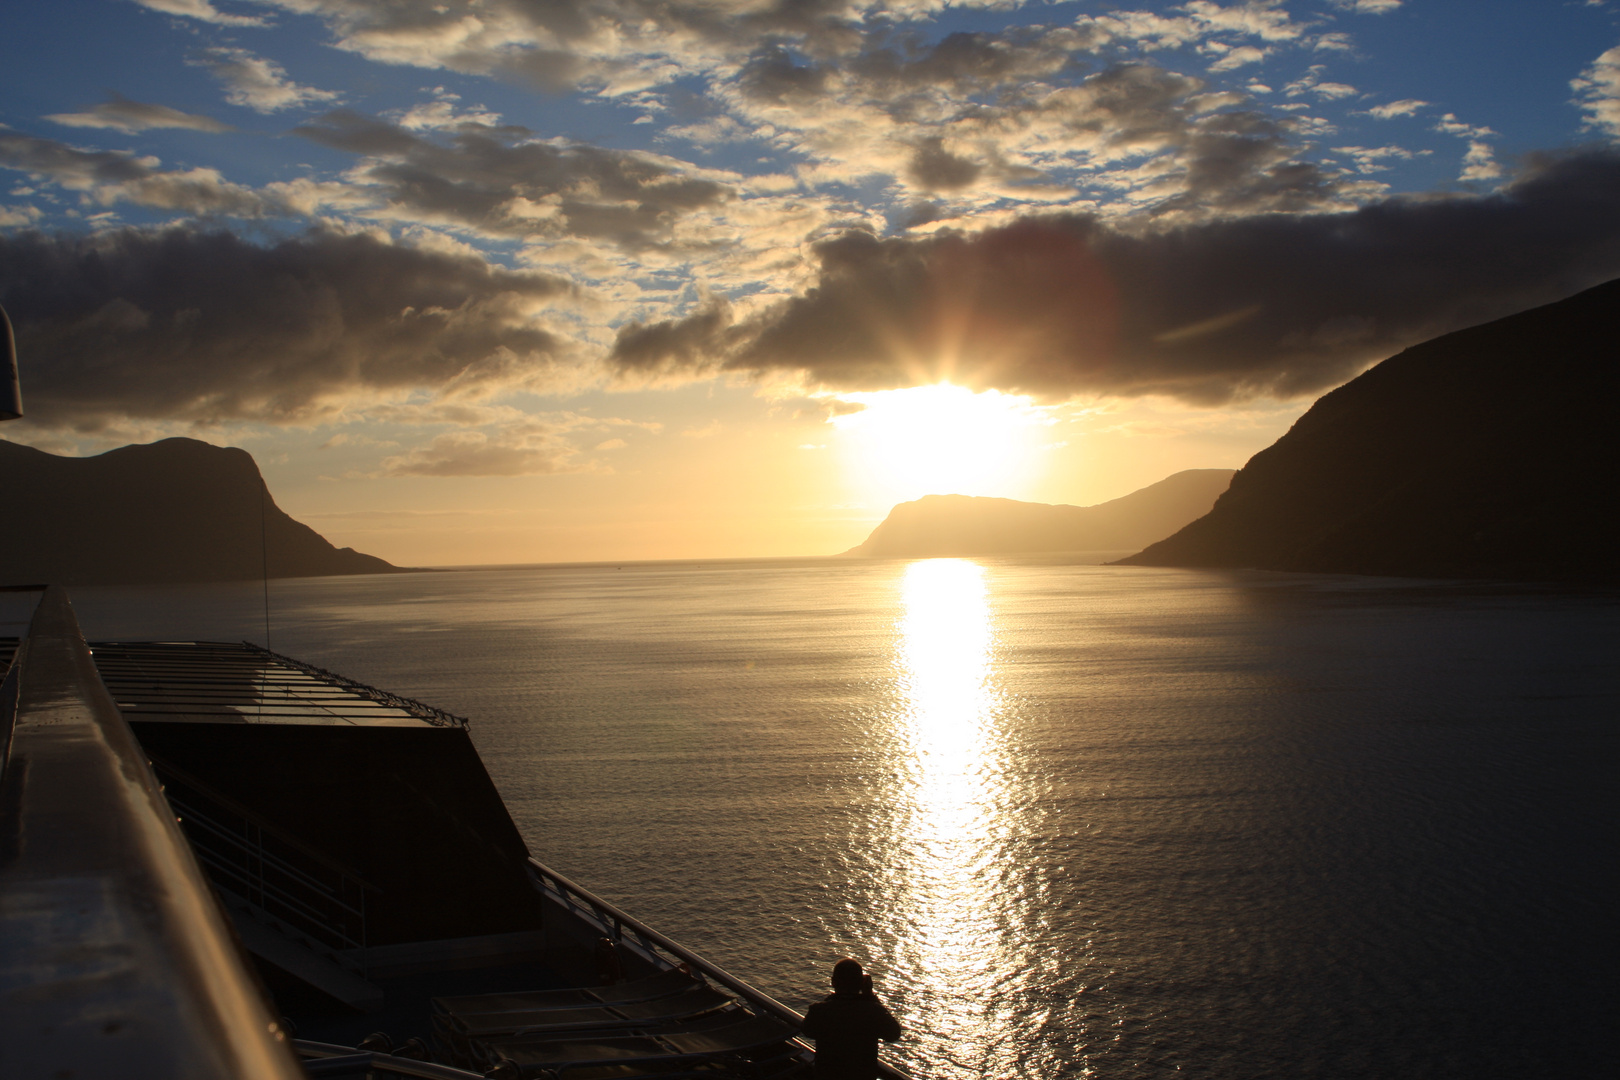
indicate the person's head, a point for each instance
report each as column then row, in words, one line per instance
column 848, row 976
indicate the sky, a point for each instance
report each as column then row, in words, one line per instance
column 514, row 281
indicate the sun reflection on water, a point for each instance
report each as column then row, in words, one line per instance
column 950, row 822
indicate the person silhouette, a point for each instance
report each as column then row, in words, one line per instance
column 847, row 1025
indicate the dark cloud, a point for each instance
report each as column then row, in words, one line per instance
column 110, row 176
column 121, row 114
column 773, row 77
column 934, row 168
column 178, row 324
column 1268, row 304
column 1243, row 162
column 967, row 62
column 504, row 182
column 675, row 346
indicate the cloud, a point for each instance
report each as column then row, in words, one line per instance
column 512, row 443
column 1479, row 162
column 202, row 11
column 1311, row 82
column 1232, row 58
column 1448, row 124
column 1275, row 305
column 205, row 327
column 110, row 176
column 11, row 216
column 473, row 453
column 505, row 182
column 1371, row 159
column 258, row 84
column 1404, row 107
column 934, row 168
column 440, row 114
column 1597, row 91
column 122, row 114
column 1368, row 7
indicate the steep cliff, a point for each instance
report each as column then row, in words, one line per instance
column 175, row 510
column 1488, row 452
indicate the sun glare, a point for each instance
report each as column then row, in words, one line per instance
column 943, row 439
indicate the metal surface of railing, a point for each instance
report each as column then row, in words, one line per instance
column 117, row 959
column 583, row 903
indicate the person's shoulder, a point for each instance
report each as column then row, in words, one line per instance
column 818, row 1010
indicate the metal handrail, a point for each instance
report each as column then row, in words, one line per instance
column 349, row 1057
column 609, row 915
column 268, row 893
column 105, row 857
column 422, row 711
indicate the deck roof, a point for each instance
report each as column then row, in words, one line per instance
column 227, row 682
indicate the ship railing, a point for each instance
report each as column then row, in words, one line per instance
column 615, row 923
column 420, row 710
column 95, row 872
column 329, row 1059
column 297, row 889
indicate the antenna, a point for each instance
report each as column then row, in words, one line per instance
column 264, row 556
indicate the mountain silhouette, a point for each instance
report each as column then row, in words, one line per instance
column 175, row 510
column 938, row 525
column 1487, row 453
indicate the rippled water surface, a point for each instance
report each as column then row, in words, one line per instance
column 1079, row 820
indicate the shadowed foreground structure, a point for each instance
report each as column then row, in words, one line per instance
column 175, row 510
column 1484, row 453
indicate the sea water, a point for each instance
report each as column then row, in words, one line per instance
column 1077, row 820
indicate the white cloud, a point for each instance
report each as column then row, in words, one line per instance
column 1404, row 107
column 1448, row 124
column 1235, row 58
column 1480, row 162
column 1368, row 7
column 1311, row 83
column 1371, row 159
column 202, row 11
column 11, row 216
column 121, row 114
column 1598, row 92
column 440, row 114
column 1263, row 19
column 259, row 84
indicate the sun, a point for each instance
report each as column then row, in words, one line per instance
column 942, row 440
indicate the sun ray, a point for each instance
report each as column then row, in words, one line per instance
column 942, row 439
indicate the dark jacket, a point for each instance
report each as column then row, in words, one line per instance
column 847, row 1027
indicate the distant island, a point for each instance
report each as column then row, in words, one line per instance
column 1485, row 453
column 946, row 525
column 170, row 511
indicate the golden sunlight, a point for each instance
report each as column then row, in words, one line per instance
column 942, row 440
column 952, row 823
